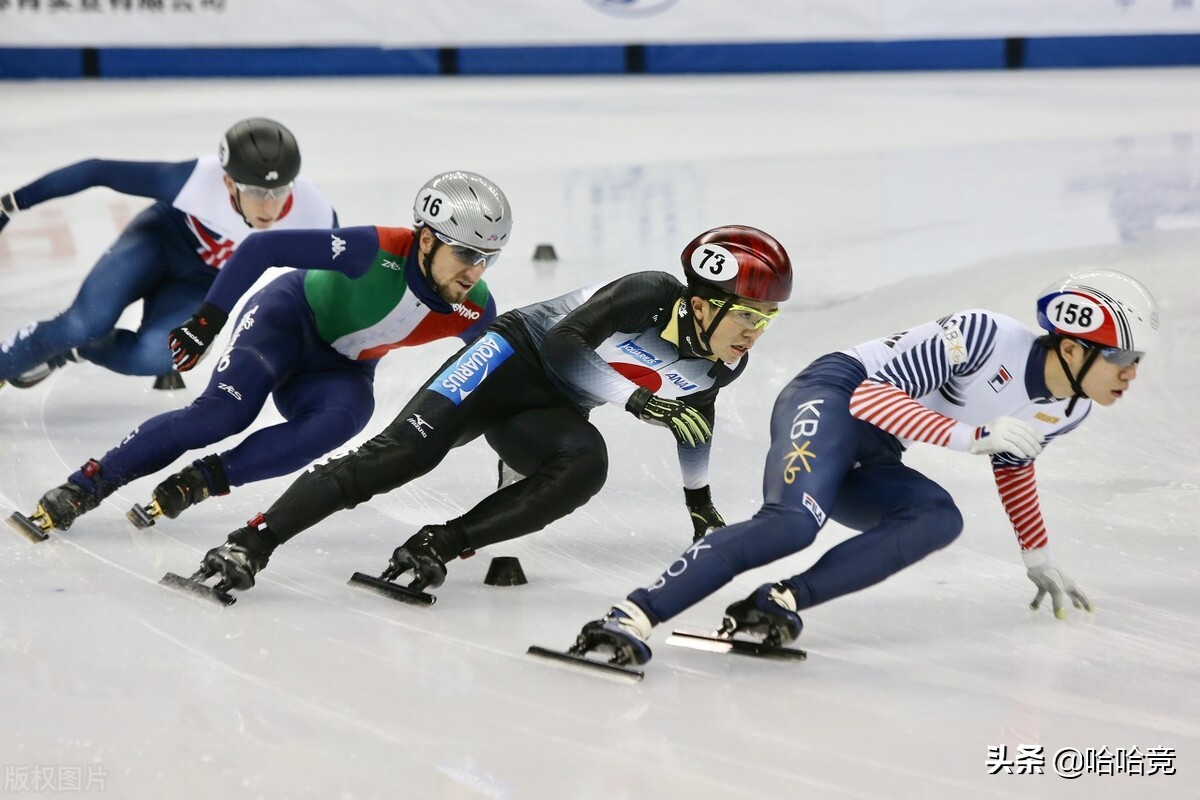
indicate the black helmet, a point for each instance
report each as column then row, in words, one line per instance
column 260, row 152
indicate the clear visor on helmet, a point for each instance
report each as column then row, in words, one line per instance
column 467, row 254
column 748, row 317
column 262, row 193
column 1115, row 355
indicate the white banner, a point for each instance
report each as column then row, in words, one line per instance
column 473, row 23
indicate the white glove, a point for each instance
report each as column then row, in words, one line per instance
column 1006, row 435
column 1051, row 580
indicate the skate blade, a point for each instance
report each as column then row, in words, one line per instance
column 196, row 589
column 28, row 528
column 746, row 647
column 598, row 668
column 393, row 591
column 143, row 517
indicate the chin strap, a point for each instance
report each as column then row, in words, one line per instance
column 1076, row 381
column 704, row 338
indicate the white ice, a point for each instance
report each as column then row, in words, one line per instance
column 900, row 198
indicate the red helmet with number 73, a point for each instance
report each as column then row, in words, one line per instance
column 1101, row 307
column 739, row 260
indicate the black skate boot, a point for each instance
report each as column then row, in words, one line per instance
column 62, row 505
column 186, row 488
column 35, row 375
column 244, row 554
column 425, row 553
column 769, row 613
column 169, row 382
column 623, row 631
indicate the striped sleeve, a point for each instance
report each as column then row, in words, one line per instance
column 1018, row 493
column 892, row 409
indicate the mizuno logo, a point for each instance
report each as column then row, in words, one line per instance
column 339, row 245
column 418, row 422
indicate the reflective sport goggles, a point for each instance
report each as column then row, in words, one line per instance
column 467, row 254
column 1116, row 356
column 262, row 193
column 749, row 318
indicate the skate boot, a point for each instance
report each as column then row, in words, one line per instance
column 243, row 556
column 186, row 488
column 770, row 613
column 425, row 553
column 623, row 631
column 169, row 382
column 35, row 375
column 62, row 505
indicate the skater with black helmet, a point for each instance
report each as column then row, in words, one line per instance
column 171, row 252
column 310, row 339
column 644, row 342
column 974, row 381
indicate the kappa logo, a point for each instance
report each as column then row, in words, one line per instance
column 418, row 422
column 246, row 324
column 339, row 245
column 225, row 387
column 387, row 263
column 132, row 434
column 271, row 176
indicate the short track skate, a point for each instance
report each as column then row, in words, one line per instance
column 576, row 656
column 143, row 517
column 34, row 528
column 412, row 594
column 196, row 587
column 722, row 641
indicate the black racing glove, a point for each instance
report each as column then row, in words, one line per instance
column 687, row 425
column 191, row 340
column 705, row 517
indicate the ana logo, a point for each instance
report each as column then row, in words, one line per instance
column 644, row 356
column 387, row 263
column 271, row 176
column 1000, row 379
column 464, row 376
column 225, row 387
column 469, row 313
column 418, row 422
column 339, row 245
column 631, row 8
column 680, row 381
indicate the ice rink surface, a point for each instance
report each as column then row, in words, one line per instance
column 900, row 198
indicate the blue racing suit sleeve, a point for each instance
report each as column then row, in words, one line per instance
column 154, row 179
column 350, row 251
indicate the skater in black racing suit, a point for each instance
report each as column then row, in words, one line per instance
column 646, row 342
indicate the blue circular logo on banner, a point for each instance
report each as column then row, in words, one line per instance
column 631, row 8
